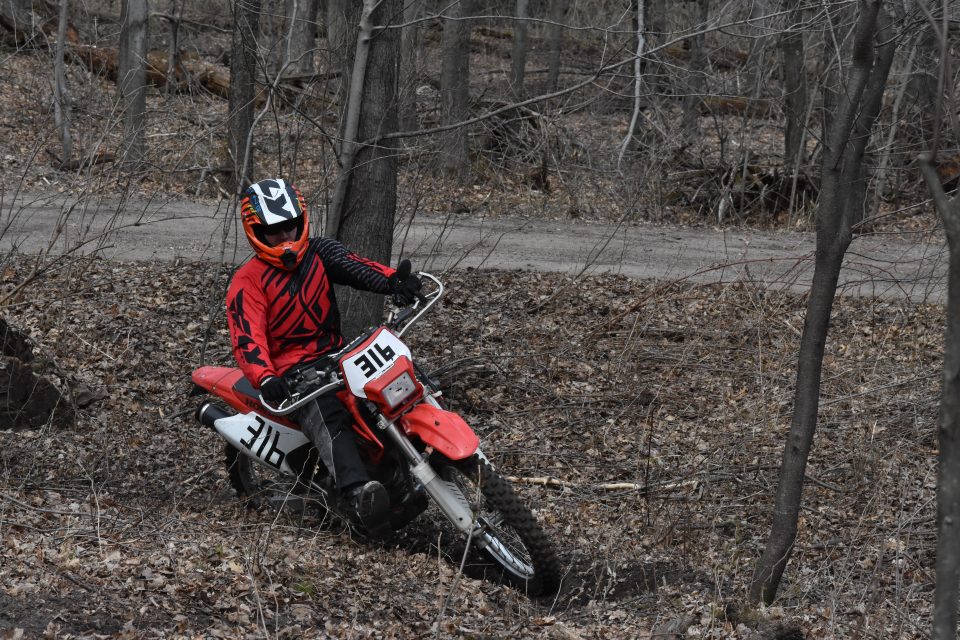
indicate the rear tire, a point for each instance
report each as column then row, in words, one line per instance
column 515, row 541
column 284, row 491
column 243, row 478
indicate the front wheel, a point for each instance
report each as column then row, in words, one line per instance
column 506, row 529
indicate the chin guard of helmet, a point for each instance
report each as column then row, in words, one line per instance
column 289, row 259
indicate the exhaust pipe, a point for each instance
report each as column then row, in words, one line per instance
column 208, row 414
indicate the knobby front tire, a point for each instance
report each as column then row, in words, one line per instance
column 515, row 541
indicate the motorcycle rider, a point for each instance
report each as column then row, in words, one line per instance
column 282, row 311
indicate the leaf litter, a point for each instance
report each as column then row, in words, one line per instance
column 643, row 422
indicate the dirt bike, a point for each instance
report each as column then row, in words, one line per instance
column 416, row 448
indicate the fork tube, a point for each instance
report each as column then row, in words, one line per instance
column 401, row 441
column 450, row 499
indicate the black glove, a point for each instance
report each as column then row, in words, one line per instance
column 274, row 390
column 404, row 285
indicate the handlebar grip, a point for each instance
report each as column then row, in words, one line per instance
column 403, row 269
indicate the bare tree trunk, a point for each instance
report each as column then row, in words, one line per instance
column 409, row 67
column 272, row 29
column 639, row 13
column 243, row 59
column 754, row 67
column 365, row 223
column 518, row 57
column 696, row 75
column 794, row 88
column 455, row 90
column 340, row 44
column 299, row 38
column 173, row 50
column 61, row 95
column 132, row 79
column 658, row 81
column 948, row 478
column 926, row 81
column 350, row 130
column 841, row 205
column 558, row 10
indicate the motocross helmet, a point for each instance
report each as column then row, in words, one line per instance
column 275, row 202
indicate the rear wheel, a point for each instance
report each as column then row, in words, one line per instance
column 506, row 529
column 244, row 478
column 251, row 484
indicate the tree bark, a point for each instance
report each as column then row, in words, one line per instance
column 299, row 38
column 518, row 57
column 946, row 590
column 174, row 18
column 754, row 68
column 558, row 10
column 842, row 197
column 132, row 79
column 340, row 43
column 932, row 106
column 794, row 88
column 409, row 67
column 639, row 13
column 241, row 99
column 696, row 75
column 369, row 165
column 455, row 90
column 350, row 129
column 62, row 106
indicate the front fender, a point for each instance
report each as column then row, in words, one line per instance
column 445, row 431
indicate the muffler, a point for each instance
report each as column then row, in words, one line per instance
column 208, row 414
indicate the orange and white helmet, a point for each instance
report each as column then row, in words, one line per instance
column 275, row 202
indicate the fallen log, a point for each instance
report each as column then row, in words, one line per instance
column 737, row 105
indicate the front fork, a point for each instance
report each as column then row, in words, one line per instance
column 447, row 496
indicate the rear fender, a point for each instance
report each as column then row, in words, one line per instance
column 222, row 382
column 443, row 430
column 230, row 385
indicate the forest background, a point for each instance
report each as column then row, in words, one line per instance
column 645, row 420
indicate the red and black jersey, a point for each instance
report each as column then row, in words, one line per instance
column 280, row 318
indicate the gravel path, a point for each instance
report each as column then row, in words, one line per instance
column 885, row 266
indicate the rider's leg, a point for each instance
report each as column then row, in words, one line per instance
column 327, row 424
column 329, row 427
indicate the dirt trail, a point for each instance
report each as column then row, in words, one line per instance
column 884, row 266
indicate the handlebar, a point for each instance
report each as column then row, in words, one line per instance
column 395, row 320
column 295, row 401
column 398, row 321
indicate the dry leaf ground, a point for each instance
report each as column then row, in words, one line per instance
column 125, row 526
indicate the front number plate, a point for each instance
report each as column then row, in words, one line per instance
column 371, row 359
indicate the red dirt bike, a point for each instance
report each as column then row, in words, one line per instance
column 417, row 449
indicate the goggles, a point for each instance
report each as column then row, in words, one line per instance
column 282, row 227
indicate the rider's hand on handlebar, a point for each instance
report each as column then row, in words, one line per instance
column 404, row 285
column 274, row 390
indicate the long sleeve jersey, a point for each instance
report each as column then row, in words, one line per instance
column 281, row 318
